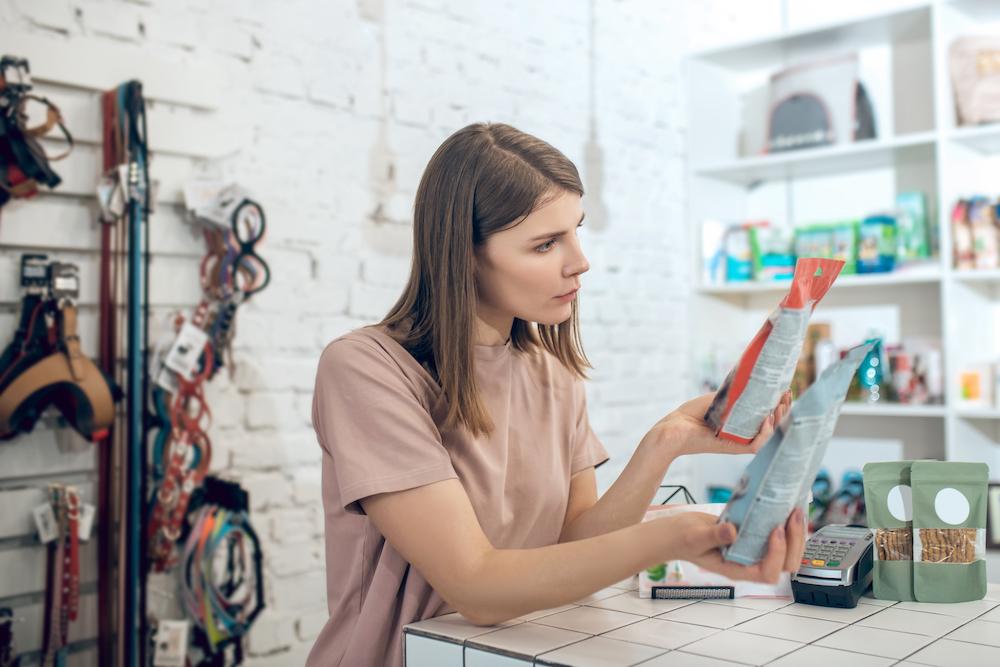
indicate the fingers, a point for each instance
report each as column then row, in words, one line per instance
column 765, row 433
column 769, row 568
column 714, row 536
column 772, row 421
column 795, row 532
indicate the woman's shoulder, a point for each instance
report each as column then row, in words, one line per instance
column 370, row 350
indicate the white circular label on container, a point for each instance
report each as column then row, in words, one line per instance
column 900, row 502
column 951, row 506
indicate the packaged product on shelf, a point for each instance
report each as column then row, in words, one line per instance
column 975, row 386
column 961, row 235
column 844, row 237
column 975, row 78
column 929, row 368
column 764, row 371
column 805, row 369
column 739, row 261
column 780, row 476
column 949, row 530
column 830, row 241
column 713, row 252
column 867, row 385
column 984, row 233
column 901, row 372
column 877, row 244
column 773, row 256
column 889, row 504
column 824, row 354
column 912, row 230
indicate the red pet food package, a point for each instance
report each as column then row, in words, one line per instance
column 753, row 388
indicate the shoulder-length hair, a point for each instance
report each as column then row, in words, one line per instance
column 484, row 178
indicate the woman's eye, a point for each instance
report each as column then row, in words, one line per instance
column 545, row 247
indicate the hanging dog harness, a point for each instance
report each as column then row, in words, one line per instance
column 23, row 162
column 44, row 363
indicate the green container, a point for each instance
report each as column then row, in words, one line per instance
column 949, row 523
column 830, row 241
column 890, row 515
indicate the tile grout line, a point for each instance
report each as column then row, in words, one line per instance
column 467, row 643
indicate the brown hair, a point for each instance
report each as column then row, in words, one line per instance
column 484, row 178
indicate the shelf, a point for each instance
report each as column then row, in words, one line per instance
column 775, row 51
column 892, row 410
column 929, row 274
column 977, row 275
column 825, row 161
column 977, row 412
column 982, row 138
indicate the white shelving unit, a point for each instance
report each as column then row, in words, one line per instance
column 903, row 62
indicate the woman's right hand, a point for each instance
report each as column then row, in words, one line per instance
column 697, row 537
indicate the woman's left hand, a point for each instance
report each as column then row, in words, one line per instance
column 684, row 430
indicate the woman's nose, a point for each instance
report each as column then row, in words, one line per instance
column 578, row 261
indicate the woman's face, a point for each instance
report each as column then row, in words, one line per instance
column 532, row 270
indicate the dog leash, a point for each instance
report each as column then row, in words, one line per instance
column 62, row 594
column 224, row 601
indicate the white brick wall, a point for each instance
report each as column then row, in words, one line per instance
column 328, row 112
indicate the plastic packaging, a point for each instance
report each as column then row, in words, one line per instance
column 780, row 476
column 752, row 390
column 889, row 503
column 949, row 530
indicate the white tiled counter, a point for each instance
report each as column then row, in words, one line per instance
column 614, row 628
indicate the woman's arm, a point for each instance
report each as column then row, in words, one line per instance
column 435, row 529
column 683, row 431
column 625, row 502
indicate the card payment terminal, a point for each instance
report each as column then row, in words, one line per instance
column 836, row 567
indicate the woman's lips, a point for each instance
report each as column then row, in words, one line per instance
column 569, row 296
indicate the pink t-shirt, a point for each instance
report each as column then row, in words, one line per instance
column 379, row 418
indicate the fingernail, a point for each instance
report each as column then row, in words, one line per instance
column 781, row 533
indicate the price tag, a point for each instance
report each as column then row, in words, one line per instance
column 183, row 356
column 45, row 520
column 171, row 645
column 86, row 523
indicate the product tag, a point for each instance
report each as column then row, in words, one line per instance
column 45, row 520
column 86, row 522
column 167, row 380
column 110, row 199
column 64, row 280
column 183, row 356
column 171, row 644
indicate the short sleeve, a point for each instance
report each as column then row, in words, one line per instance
column 587, row 448
column 372, row 423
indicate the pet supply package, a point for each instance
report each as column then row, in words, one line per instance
column 780, row 476
column 752, row 390
column 949, row 530
column 678, row 579
column 889, row 503
column 929, row 519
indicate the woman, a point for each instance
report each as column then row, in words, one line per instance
column 458, row 461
